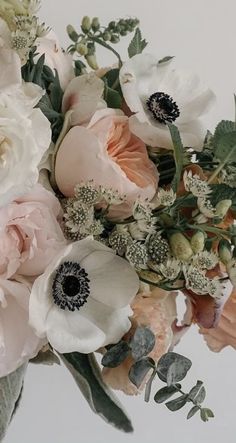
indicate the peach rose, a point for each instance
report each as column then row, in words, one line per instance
column 156, row 310
column 30, row 234
column 109, row 154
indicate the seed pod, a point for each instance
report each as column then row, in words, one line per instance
column 72, row 33
column 106, row 36
column 197, row 242
column 180, row 246
column 225, row 251
column 82, row 49
column 222, row 208
column 86, row 24
column 92, row 61
column 95, row 24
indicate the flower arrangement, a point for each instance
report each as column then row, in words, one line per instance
column 114, row 201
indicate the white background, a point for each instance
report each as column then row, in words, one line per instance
column 202, row 36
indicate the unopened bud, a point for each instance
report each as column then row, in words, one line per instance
column 222, row 208
column 72, row 33
column 180, row 246
column 225, row 251
column 197, row 242
column 82, row 49
column 86, row 24
column 95, row 24
column 92, row 61
column 112, row 25
column 115, row 38
column 106, row 36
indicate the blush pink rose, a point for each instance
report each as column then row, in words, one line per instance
column 109, row 154
column 156, row 310
column 30, row 235
column 18, row 342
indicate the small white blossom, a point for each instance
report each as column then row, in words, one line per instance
column 142, row 210
column 196, row 280
column 119, row 240
column 215, row 288
column 111, row 196
column 206, row 208
column 170, row 269
column 87, row 193
column 205, row 260
column 194, row 184
column 137, row 255
column 158, row 248
column 164, row 197
column 140, row 229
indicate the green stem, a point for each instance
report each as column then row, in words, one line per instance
column 207, row 228
column 221, row 166
column 105, row 45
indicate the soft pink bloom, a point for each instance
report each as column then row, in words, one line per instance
column 30, row 235
column 18, row 342
column 55, row 58
column 156, row 310
column 225, row 333
column 109, row 154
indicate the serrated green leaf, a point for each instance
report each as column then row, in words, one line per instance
column 178, row 155
column 223, row 128
column 139, row 370
column 177, row 403
column 142, row 342
column 165, row 393
column 137, row 44
column 225, row 149
column 172, row 358
column 192, row 412
column 100, row 398
column 222, row 192
column 206, row 414
column 116, row 355
column 165, row 59
column 195, row 390
column 10, row 391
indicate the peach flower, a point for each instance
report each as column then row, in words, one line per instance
column 157, row 310
column 30, row 234
column 225, row 333
column 109, row 154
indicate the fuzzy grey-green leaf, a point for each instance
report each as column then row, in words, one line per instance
column 192, row 412
column 142, row 342
column 165, row 393
column 177, row 403
column 139, row 370
column 183, row 365
column 195, row 390
column 116, row 355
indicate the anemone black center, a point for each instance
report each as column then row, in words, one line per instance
column 70, row 288
column 163, row 107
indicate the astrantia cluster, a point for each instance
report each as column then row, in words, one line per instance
column 113, row 200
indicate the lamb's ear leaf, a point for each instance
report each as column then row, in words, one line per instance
column 10, row 392
column 87, row 374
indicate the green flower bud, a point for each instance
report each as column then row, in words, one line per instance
column 112, row 25
column 82, row 49
column 197, row 242
column 115, row 38
column 222, row 208
column 225, row 252
column 86, row 24
column 180, row 246
column 72, row 33
column 95, row 24
column 123, row 32
column 106, row 36
column 92, row 61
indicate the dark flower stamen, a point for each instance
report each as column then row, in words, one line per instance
column 163, row 107
column 70, row 288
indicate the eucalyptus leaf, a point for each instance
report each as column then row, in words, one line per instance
column 195, row 390
column 139, row 370
column 101, row 399
column 201, row 395
column 10, row 391
column 176, row 372
column 182, row 363
column 165, row 59
column 137, row 44
column 193, row 411
column 142, row 343
column 178, row 155
column 165, row 393
column 177, row 403
column 116, row 355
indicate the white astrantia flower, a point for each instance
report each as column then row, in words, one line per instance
column 158, row 94
column 205, row 207
column 81, row 302
column 170, row 269
column 196, row 280
column 164, row 197
column 195, row 185
column 142, row 210
column 205, row 260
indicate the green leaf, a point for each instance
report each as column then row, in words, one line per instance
column 142, row 342
column 201, row 395
column 112, row 80
column 182, row 363
column 80, row 68
column 193, row 411
column 177, row 403
column 222, row 192
column 223, row 128
column 224, row 141
column 195, row 390
column 178, row 155
column 101, row 399
column 112, row 98
column 206, row 414
column 10, row 391
column 137, row 44
column 176, row 372
column 165, row 59
column 116, row 355
column 165, row 393
column 139, row 371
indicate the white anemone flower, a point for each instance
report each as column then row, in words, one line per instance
column 81, row 302
column 158, row 95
